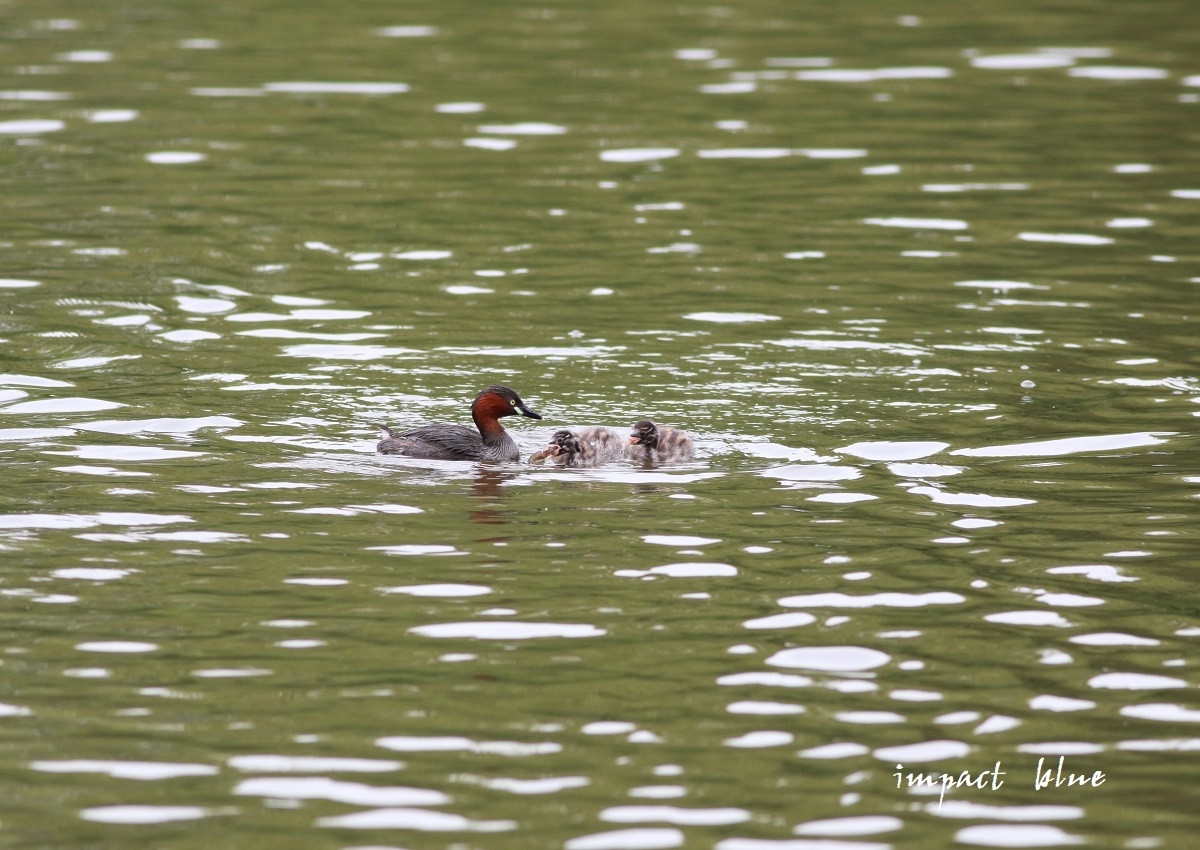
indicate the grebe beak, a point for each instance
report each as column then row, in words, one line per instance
column 633, row 440
column 525, row 411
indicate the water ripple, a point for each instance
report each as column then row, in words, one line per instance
column 321, row 788
column 508, row 630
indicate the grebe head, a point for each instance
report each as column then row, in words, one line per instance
column 496, row 401
column 645, row 433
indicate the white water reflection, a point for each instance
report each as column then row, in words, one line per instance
column 61, row 405
column 1016, row 835
column 92, row 573
column 744, row 153
column 643, row 838
column 116, row 646
column 151, row 771
column 408, row 31
column 679, row 540
column 768, row 679
column 842, row 498
column 658, row 792
column 1165, row 712
column 167, row 537
column 1046, row 702
column 839, row 750
column 417, row 549
column 231, row 673
column 831, row 153
column 302, row 313
column 524, row 128
column 918, row 223
column 188, row 336
column 608, row 727
column 134, row 814
column 674, row 815
column 420, row 820
column 158, row 426
column 735, row 87
column 812, row 472
column 526, row 787
column 966, row 809
column 74, row 521
column 615, row 475
column 356, row 793
column 1095, row 572
column 311, row 764
column 974, row 500
column 866, row 75
column 1122, row 73
column 1113, row 639
column 887, row 450
column 834, row 659
column 760, row 739
column 1029, row 618
column 459, row 107
column 999, row 285
column 919, row 471
column 1066, row 238
column 690, row 569
column 638, row 154
column 974, row 187
column 764, row 707
column 780, row 621
column 923, row 752
column 1070, row 445
column 33, row 95
column 175, row 157
column 449, row 591
column 731, row 318
column 1134, row 682
column 839, row 827
column 30, row 126
column 452, row 743
column 336, row 88
column 126, row 453
column 508, row 630
column 487, row 144
column 885, row 600
column 1023, row 61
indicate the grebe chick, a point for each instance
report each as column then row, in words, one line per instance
column 650, row 443
column 455, row 442
column 586, row 447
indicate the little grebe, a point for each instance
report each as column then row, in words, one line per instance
column 587, row 447
column 456, row 442
column 650, row 443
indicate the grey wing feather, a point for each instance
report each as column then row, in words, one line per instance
column 452, row 442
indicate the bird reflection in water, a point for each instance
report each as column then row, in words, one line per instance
column 487, row 490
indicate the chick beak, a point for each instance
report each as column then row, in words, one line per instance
column 550, row 451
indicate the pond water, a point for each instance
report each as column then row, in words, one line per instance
column 921, row 282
